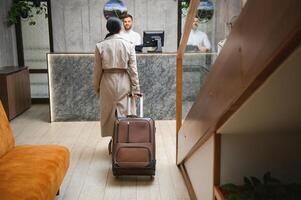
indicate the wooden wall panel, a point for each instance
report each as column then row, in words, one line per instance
column 275, row 106
column 264, row 34
column 3, row 93
column 15, row 92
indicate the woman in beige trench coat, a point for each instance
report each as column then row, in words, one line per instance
column 115, row 75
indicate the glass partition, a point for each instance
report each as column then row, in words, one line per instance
column 211, row 26
column 195, row 69
column 39, row 85
column 35, row 36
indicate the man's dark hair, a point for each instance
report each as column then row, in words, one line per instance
column 128, row 15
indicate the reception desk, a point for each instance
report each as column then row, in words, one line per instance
column 14, row 90
column 71, row 92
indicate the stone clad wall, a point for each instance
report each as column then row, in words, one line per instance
column 72, row 97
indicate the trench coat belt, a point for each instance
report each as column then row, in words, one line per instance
column 115, row 70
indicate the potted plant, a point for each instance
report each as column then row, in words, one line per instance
column 184, row 7
column 267, row 189
column 26, row 9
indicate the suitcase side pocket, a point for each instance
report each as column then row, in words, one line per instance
column 133, row 157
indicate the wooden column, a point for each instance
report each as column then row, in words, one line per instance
column 179, row 64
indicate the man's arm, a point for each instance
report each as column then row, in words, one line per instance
column 204, row 45
column 97, row 73
column 139, row 41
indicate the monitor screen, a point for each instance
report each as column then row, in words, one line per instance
column 150, row 38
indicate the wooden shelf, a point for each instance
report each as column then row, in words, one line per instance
column 218, row 193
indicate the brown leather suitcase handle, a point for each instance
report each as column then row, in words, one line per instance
column 131, row 116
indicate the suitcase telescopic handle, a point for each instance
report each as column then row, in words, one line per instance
column 129, row 102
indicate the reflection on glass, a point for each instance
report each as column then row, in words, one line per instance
column 202, row 45
column 198, row 57
column 39, row 86
column 114, row 8
column 196, row 66
column 198, row 40
column 35, row 42
column 205, row 11
column 229, row 26
column 35, row 47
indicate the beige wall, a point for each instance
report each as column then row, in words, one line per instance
column 200, row 170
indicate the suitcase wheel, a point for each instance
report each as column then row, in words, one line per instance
column 110, row 147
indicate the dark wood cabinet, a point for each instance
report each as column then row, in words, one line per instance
column 14, row 90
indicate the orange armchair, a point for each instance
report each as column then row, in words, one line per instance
column 29, row 171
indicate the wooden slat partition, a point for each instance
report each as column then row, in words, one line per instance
column 186, row 178
column 179, row 63
column 218, row 193
column 264, row 35
column 179, row 85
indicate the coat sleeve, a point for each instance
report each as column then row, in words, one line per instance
column 97, row 73
column 133, row 72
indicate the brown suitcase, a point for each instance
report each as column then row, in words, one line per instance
column 134, row 149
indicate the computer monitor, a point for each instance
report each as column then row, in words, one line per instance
column 153, row 39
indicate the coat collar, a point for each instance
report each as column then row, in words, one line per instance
column 115, row 36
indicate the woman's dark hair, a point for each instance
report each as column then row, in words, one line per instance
column 113, row 26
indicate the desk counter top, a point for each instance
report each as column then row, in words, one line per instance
column 11, row 69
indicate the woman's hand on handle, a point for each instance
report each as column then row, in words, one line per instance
column 135, row 95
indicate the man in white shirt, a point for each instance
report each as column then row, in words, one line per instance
column 128, row 33
column 198, row 38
